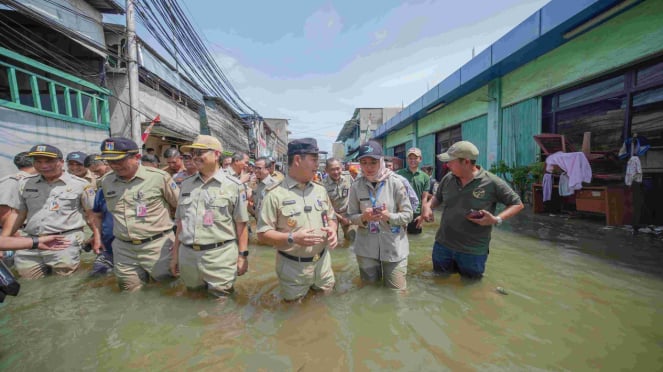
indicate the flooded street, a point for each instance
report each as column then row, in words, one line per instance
column 569, row 306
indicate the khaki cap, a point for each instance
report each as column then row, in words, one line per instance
column 414, row 150
column 460, row 150
column 204, row 142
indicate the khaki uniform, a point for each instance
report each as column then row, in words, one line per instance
column 55, row 208
column 338, row 192
column 277, row 176
column 260, row 191
column 9, row 186
column 291, row 206
column 208, row 213
column 92, row 179
column 142, row 225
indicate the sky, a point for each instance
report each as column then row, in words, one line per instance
column 314, row 62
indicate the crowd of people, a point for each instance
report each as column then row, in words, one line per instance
column 191, row 219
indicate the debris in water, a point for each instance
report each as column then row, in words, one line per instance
column 501, row 290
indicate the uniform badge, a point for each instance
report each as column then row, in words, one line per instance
column 316, row 257
column 478, row 193
column 140, row 195
column 292, row 222
column 344, row 193
column 90, row 191
column 173, row 185
column 41, row 148
column 319, row 203
column 109, row 146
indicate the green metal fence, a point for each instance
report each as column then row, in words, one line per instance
column 24, row 86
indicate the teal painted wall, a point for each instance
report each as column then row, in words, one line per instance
column 628, row 37
column 475, row 131
column 472, row 105
column 427, row 146
column 400, row 136
column 520, row 123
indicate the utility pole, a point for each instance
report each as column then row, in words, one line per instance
column 132, row 72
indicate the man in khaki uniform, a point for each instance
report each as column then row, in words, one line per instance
column 51, row 203
column 140, row 199
column 264, row 181
column 9, row 197
column 338, row 185
column 297, row 218
column 210, row 249
column 76, row 166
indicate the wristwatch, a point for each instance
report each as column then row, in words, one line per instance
column 291, row 239
column 499, row 220
column 244, row 253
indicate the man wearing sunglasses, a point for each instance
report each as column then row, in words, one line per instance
column 210, row 250
column 140, row 199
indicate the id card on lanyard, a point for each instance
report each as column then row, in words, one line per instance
column 374, row 226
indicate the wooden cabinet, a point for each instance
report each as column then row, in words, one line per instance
column 613, row 201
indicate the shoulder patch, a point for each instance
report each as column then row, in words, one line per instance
column 273, row 185
column 233, row 179
column 89, row 190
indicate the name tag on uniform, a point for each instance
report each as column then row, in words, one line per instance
column 308, row 208
column 31, row 190
column 208, row 218
column 289, row 202
column 364, row 199
column 141, row 210
column 186, row 194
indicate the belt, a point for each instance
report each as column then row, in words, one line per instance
column 62, row 232
column 141, row 241
column 204, row 247
column 303, row 259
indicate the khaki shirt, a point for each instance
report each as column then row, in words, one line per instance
column 339, row 191
column 151, row 189
column 221, row 196
column 291, row 206
column 9, row 189
column 92, row 179
column 390, row 243
column 277, row 176
column 55, row 207
column 259, row 193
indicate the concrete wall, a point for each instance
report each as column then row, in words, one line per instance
column 627, row 38
column 472, row 105
column 400, row 136
column 19, row 131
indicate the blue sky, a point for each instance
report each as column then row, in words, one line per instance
column 314, row 62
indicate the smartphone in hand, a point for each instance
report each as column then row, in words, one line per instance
column 474, row 214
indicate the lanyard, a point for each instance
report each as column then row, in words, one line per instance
column 377, row 193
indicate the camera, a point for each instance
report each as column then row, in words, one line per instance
column 474, row 214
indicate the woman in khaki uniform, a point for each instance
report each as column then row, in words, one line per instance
column 380, row 206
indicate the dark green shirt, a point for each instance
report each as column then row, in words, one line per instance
column 483, row 192
column 420, row 182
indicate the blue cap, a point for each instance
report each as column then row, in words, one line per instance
column 77, row 156
column 370, row 148
column 304, row 146
column 46, row 151
column 118, row 148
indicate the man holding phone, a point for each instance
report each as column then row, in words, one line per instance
column 468, row 195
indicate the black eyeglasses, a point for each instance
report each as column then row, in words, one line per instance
column 200, row 152
column 186, row 157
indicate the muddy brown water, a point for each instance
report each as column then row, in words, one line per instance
column 565, row 309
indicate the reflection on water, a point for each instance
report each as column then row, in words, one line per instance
column 564, row 310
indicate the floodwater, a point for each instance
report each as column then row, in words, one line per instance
column 565, row 309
